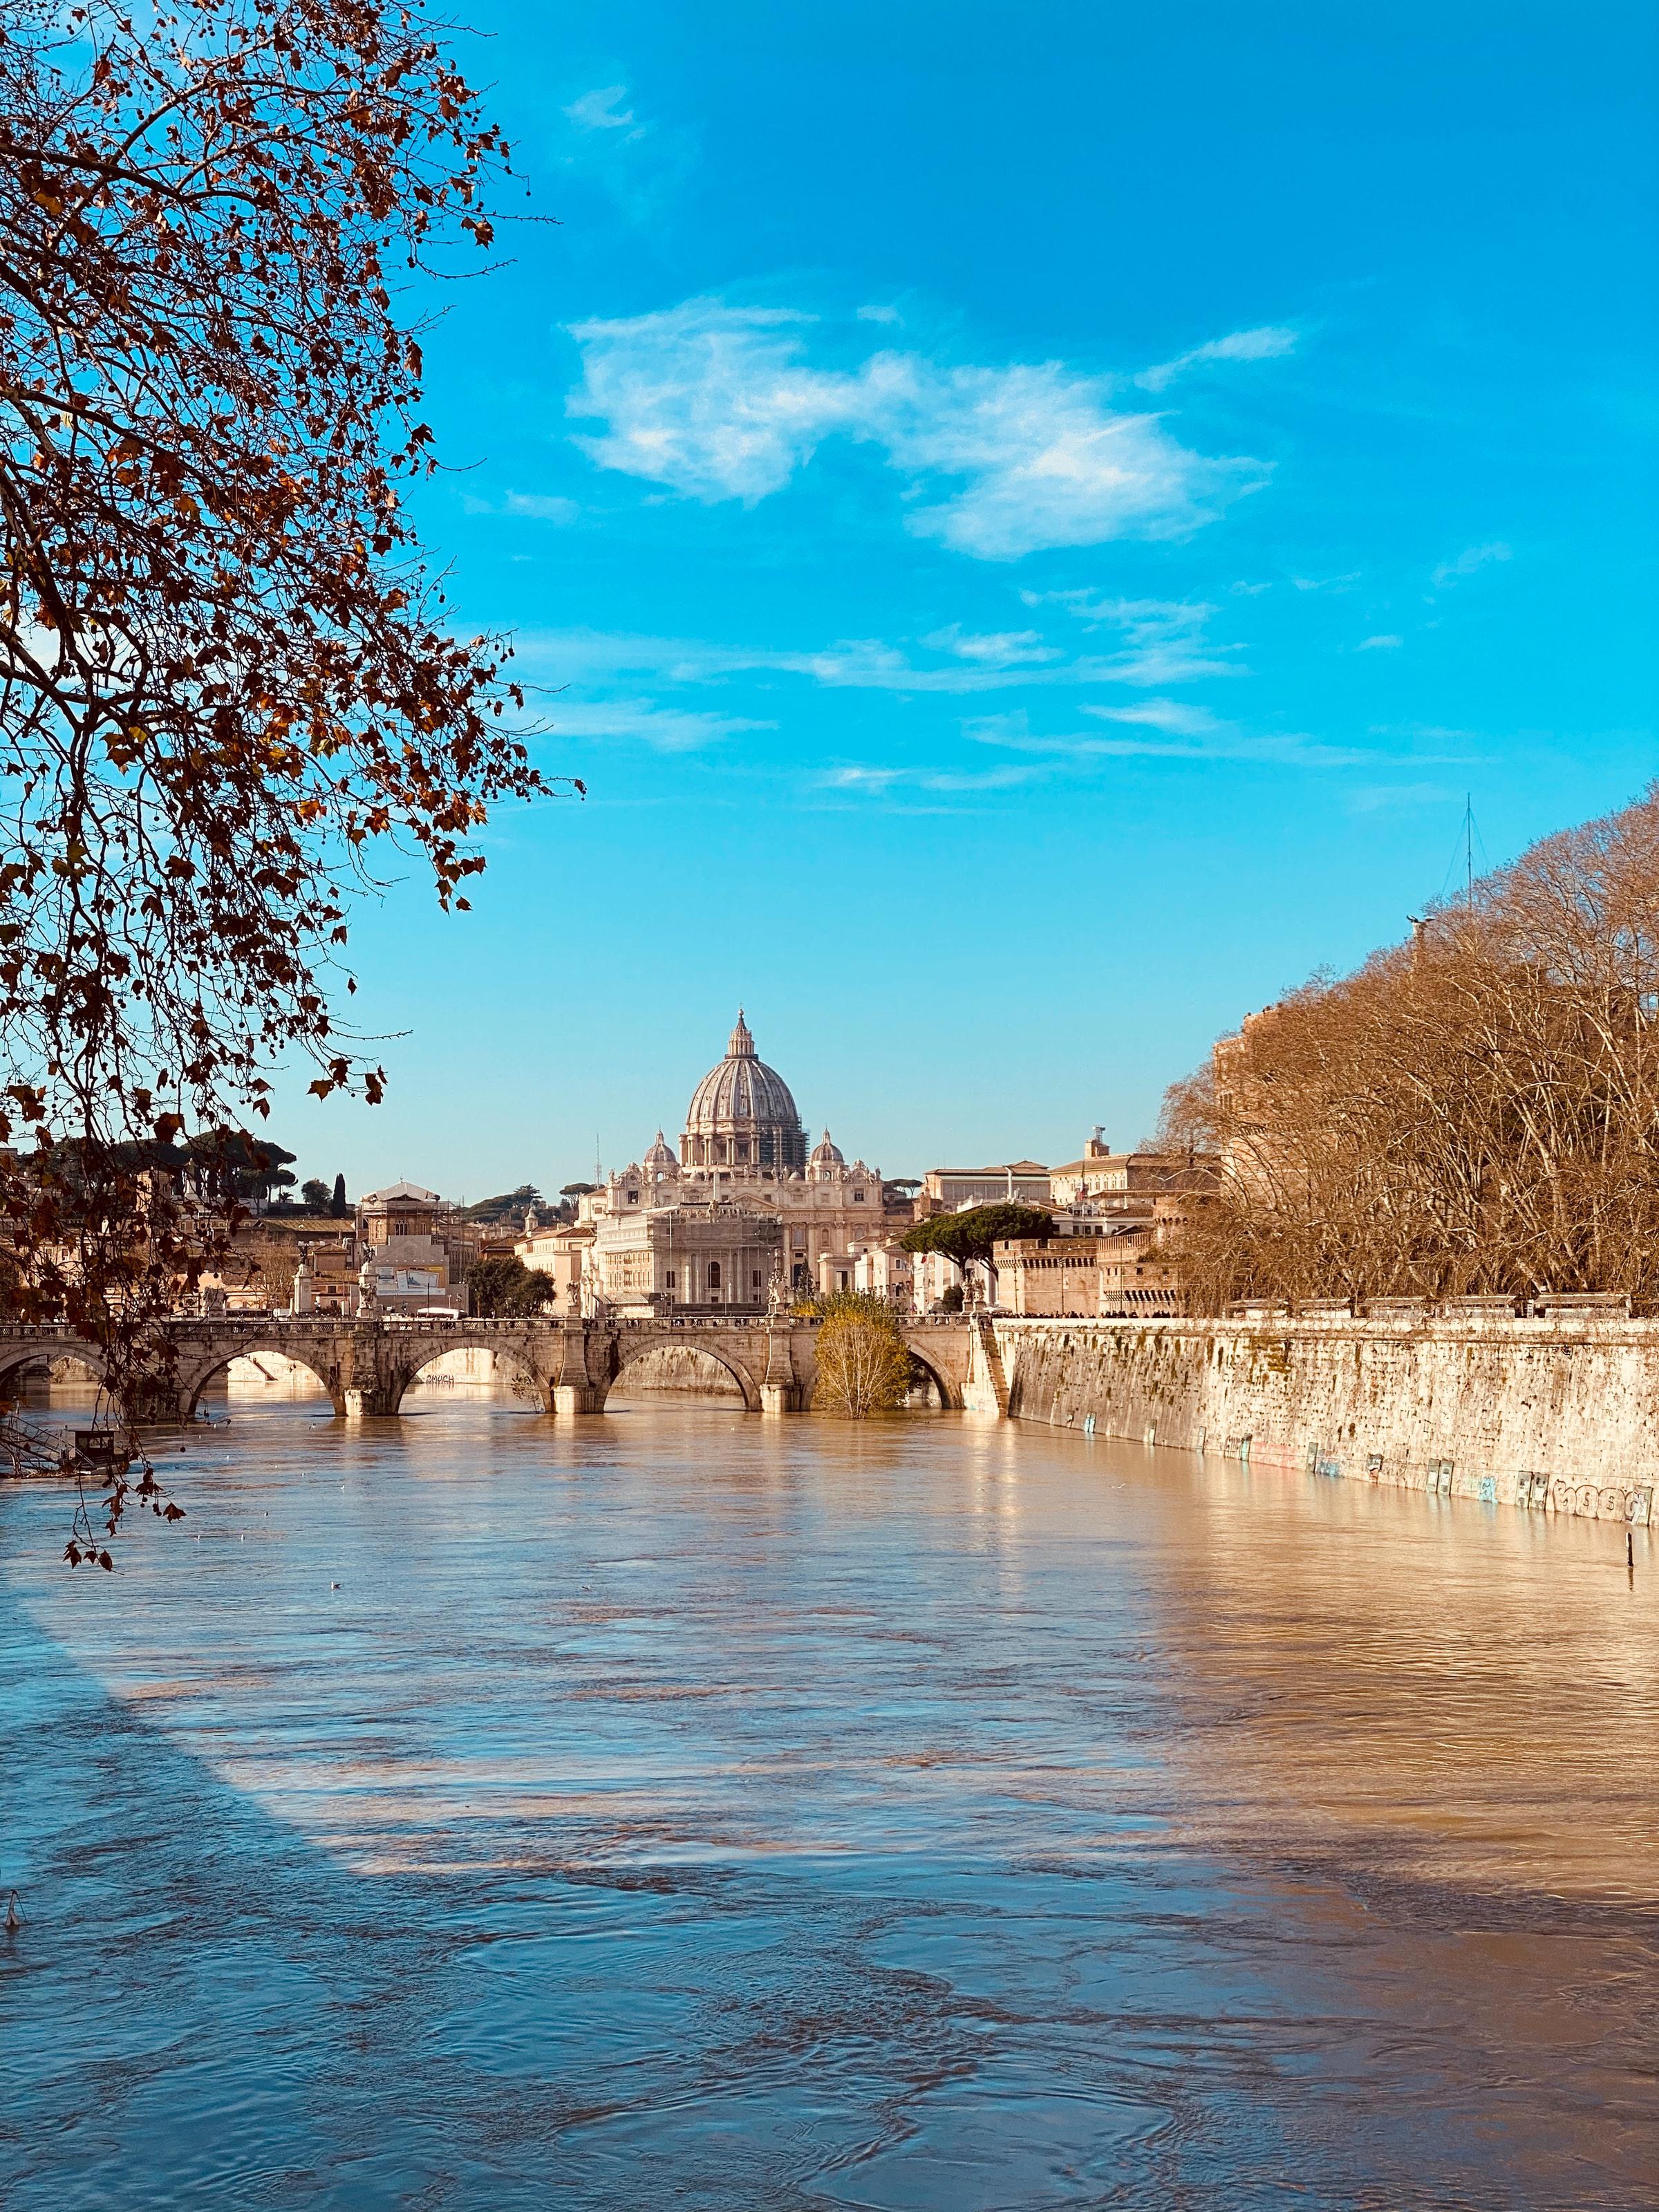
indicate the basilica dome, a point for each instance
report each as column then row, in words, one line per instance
column 742, row 1116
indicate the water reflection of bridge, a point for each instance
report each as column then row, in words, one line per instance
column 568, row 1366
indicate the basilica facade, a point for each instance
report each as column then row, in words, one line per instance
column 742, row 1201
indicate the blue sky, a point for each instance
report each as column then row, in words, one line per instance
column 1029, row 521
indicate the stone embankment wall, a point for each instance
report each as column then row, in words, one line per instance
column 1560, row 1413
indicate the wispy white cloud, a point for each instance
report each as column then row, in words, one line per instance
column 602, row 110
column 1007, row 648
column 1170, row 716
column 1158, row 654
column 1268, row 343
column 642, row 164
column 1327, row 583
column 1384, row 642
column 868, row 664
column 852, row 664
column 669, row 729
column 996, row 779
column 710, row 400
column 879, row 783
column 879, row 315
column 1045, row 461
column 719, row 403
column 1165, row 641
column 540, row 508
column 1214, row 741
column 877, row 779
column 1475, row 557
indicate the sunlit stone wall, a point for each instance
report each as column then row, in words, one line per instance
column 1558, row 1414
column 676, row 1370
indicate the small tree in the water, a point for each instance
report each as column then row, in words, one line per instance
column 863, row 1363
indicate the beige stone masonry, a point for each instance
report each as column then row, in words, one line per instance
column 1558, row 1414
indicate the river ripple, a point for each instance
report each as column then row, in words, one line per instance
column 682, row 1810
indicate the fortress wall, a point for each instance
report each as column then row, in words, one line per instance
column 1561, row 1414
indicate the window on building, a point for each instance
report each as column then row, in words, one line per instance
column 755, row 1278
column 841, row 1280
column 632, row 1197
column 857, row 1198
column 714, row 1274
column 670, row 1279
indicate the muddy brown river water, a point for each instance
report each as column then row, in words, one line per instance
column 678, row 1809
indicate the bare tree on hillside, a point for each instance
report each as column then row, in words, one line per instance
column 1477, row 1111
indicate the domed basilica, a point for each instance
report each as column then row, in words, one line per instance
column 742, row 1202
column 741, row 1114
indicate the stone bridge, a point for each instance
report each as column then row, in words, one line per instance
column 570, row 1366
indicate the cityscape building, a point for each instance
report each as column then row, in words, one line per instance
column 1117, row 1266
column 1125, row 1182
column 408, row 1252
column 742, row 1199
column 947, row 1190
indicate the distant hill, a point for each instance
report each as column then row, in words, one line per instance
column 510, row 1206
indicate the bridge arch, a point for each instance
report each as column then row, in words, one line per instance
column 926, row 1349
column 949, row 1398
column 20, row 1352
column 625, row 1351
column 512, row 1359
column 193, row 1380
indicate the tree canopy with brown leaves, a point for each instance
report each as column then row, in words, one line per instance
column 227, row 672
column 224, row 669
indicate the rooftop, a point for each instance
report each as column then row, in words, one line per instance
column 407, row 1193
column 997, row 1168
